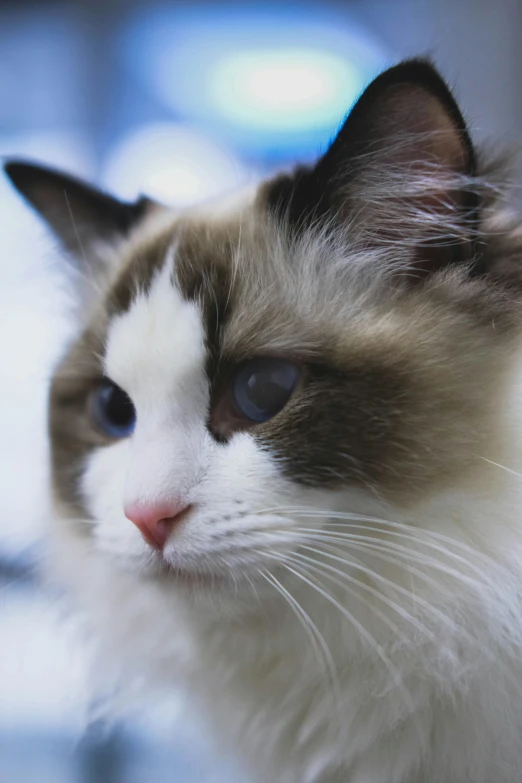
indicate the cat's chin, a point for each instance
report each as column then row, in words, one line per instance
column 155, row 567
column 196, row 581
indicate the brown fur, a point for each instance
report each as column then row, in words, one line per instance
column 72, row 433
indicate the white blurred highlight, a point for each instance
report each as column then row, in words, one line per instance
column 173, row 164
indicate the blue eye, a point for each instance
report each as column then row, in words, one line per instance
column 262, row 387
column 112, row 410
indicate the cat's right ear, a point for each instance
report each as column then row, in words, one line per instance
column 85, row 220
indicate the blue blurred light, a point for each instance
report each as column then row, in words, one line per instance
column 272, row 81
column 283, row 90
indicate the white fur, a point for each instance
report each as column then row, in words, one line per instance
column 156, row 353
column 423, row 684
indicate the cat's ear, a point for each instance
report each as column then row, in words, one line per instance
column 399, row 175
column 83, row 219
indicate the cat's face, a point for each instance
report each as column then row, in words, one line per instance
column 325, row 346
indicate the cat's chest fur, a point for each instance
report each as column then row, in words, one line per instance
column 301, row 712
column 297, row 720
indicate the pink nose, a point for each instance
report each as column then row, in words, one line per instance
column 155, row 521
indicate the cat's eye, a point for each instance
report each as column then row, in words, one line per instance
column 112, row 410
column 262, row 387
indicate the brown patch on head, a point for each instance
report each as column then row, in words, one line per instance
column 202, row 259
column 146, row 256
column 401, row 404
column 400, row 387
column 204, row 273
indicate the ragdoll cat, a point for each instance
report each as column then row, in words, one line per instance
column 286, row 449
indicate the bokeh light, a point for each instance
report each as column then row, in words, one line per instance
column 275, row 83
column 172, row 163
column 284, row 90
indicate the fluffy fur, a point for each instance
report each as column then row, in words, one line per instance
column 344, row 600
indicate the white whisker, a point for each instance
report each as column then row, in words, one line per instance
column 313, row 633
column 404, row 551
column 373, row 591
column 386, row 523
column 502, row 467
column 368, row 638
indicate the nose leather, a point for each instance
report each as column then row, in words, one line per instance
column 155, row 521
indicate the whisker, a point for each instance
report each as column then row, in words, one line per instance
column 403, row 551
column 391, row 669
column 449, row 623
column 253, row 586
column 452, row 625
column 351, row 517
column 502, row 467
column 373, row 591
column 376, row 577
column 311, row 630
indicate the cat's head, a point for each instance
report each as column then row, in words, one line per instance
column 331, row 343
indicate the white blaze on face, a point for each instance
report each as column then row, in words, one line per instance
column 156, row 353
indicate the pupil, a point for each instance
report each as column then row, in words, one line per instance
column 267, row 389
column 118, row 407
column 262, row 387
column 112, row 410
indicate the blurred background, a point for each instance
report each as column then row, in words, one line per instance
column 183, row 101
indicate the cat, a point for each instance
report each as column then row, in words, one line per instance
column 286, row 448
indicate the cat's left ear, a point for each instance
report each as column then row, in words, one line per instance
column 84, row 219
column 399, row 176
